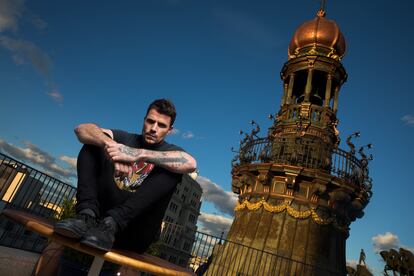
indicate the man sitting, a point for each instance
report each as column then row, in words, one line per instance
column 125, row 182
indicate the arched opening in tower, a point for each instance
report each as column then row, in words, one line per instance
column 298, row 91
column 318, row 88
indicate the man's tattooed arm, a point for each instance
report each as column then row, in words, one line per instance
column 133, row 153
column 163, row 159
column 175, row 161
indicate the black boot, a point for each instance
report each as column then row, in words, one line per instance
column 102, row 236
column 75, row 227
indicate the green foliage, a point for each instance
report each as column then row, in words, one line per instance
column 154, row 248
column 68, row 209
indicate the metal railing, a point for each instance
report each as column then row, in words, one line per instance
column 347, row 166
column 299, row 152
column 231, row 258
column 23, row 187
column 213, row 255
column 317, row 114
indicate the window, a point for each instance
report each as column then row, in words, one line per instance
column 186, row 246
column 172, row 259
column 173, row 207
column 191, row 218
column 176, row 242
column 182, row 263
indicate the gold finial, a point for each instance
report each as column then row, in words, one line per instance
column 321, row 11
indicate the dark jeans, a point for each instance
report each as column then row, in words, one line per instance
column 137, row 214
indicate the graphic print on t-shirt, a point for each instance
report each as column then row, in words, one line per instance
column 140, row 170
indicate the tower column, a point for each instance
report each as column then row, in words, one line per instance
column 328, row 90
column 285, row 91
column 290, row 88
column 308, row 87
column 335, row 103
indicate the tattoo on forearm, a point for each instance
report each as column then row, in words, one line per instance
column 128, row 151
column 175, row 162
column 161, row 159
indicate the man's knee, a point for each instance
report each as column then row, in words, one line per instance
column 90, row 150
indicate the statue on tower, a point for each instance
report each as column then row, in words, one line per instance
column 362, row 258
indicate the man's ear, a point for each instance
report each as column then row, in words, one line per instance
column 170, row 130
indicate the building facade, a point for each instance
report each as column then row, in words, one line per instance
column 180, row 222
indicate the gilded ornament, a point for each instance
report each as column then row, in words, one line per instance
column 284, row 206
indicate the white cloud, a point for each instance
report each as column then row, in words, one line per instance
column 385, row 242
column 185, row 135
column 36, row 21
column 408, row 119
column 18, row 59
column 23, row 51
column 223, row 201
column 388, row 241
column 32, row 154
column 214, row 224
column 175, row 131
column 70, row 160
column 188, row 135
column 56, row 96
column 10, row 13
column 27, row 50
column 352, row 263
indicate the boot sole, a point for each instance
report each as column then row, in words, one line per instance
column 94, row 245
column 68, row 232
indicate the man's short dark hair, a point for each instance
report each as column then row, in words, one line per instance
column 165, row 107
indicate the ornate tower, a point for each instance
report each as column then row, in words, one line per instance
column 298, row 192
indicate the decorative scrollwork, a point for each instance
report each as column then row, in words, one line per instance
column 245, row 153
column 301, row 127
column 285, row 206
column 349, row 142
column 334, row 124
column 236, row 156
column 367, row 181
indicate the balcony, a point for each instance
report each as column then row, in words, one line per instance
column 296, row 151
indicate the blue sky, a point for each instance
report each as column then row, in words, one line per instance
column 67, row 62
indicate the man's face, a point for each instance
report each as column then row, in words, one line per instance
column 156, row 127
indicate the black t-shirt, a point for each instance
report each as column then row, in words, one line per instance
column 141, row 169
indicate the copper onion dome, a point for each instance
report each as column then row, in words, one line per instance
column 319, row 36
